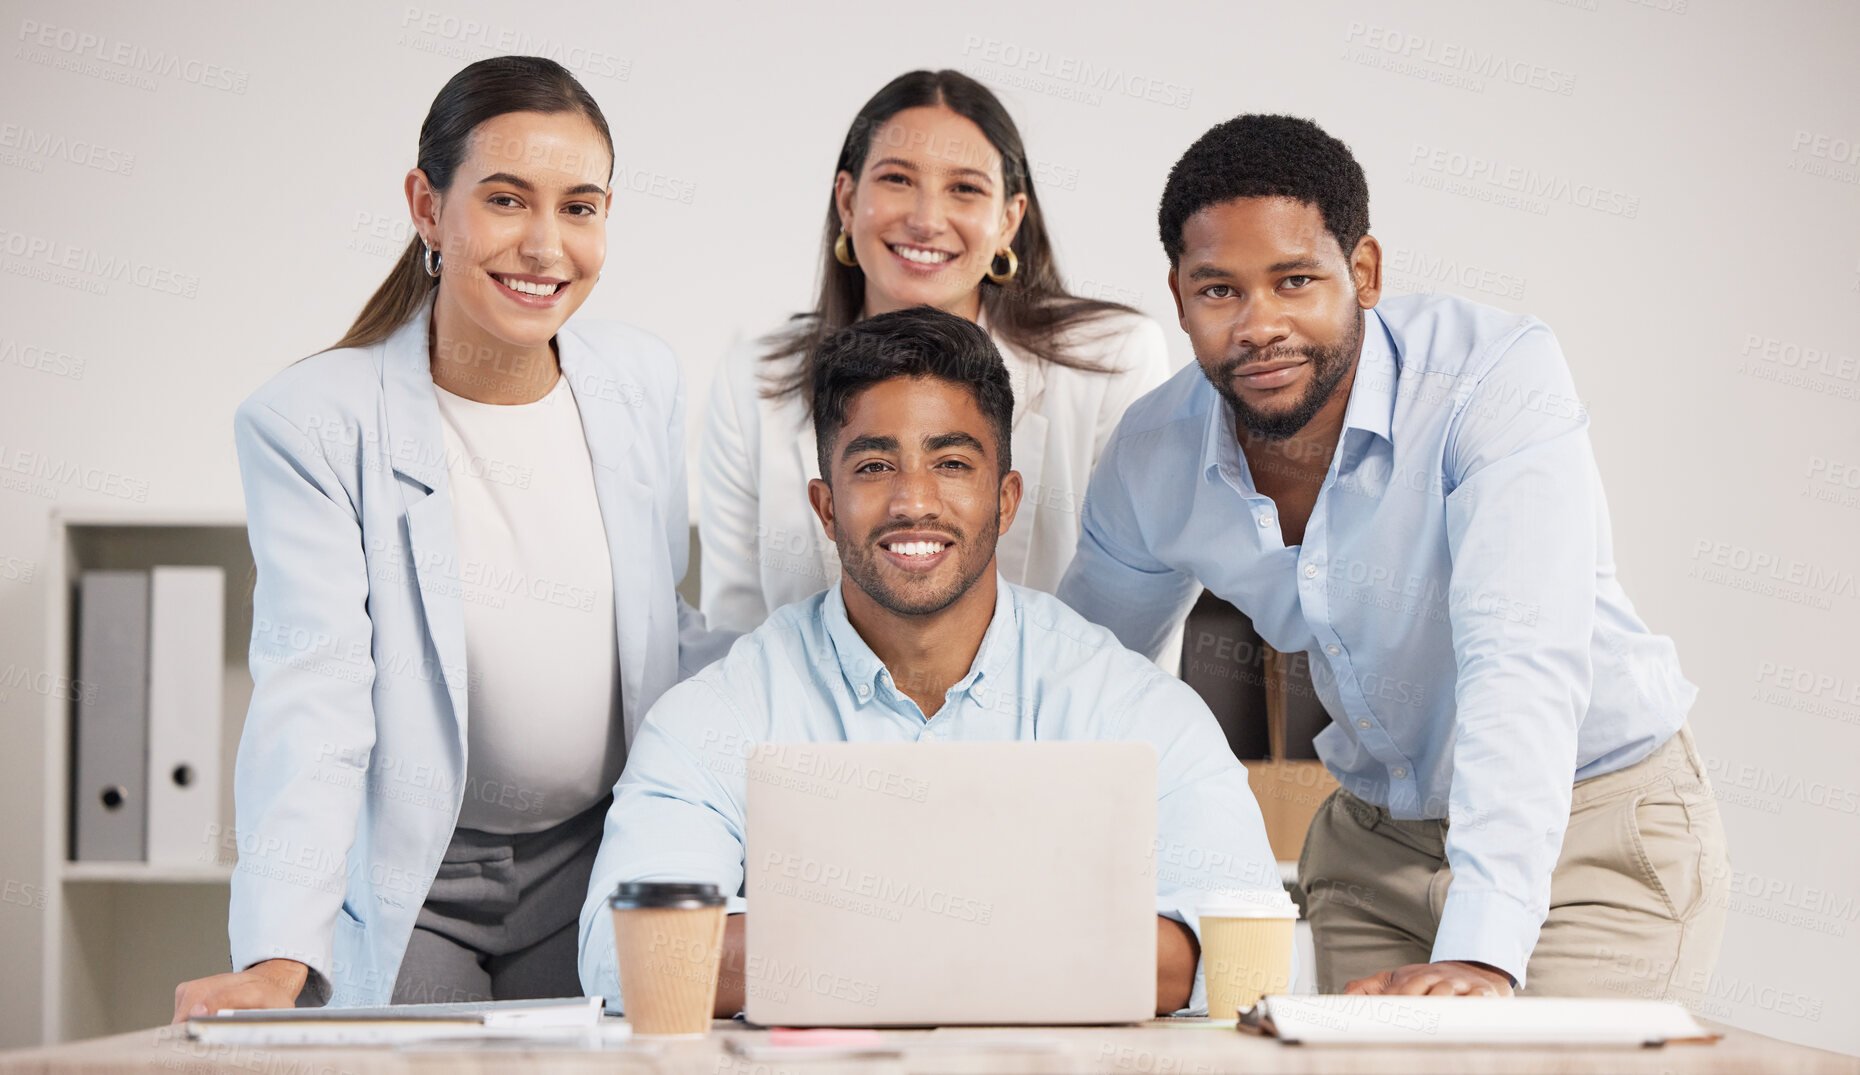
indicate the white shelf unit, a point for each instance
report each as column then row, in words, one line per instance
column 142, row 873
column 120, row 935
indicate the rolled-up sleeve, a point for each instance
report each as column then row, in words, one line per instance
column 1522, row 517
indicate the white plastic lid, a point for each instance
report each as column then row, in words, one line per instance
column 1248, row 903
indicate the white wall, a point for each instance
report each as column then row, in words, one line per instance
column 1688, row 226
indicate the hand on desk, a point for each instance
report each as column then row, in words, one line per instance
column 274, row 983
column 1452, row 978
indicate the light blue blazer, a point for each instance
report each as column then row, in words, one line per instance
column 351, row 769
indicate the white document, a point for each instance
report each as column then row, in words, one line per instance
column 1384, row 1020
column 568, row 1019
column 187, row 634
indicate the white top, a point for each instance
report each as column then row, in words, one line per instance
column 761, row 545
column 544, row 738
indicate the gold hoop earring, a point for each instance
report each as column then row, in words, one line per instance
column 842, row 252
column 1013, row 267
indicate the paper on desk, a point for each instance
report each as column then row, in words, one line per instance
column 1379, row 1020
column 401, row 1024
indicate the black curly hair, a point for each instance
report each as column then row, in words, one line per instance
column 1257, row 156
column 919, row 341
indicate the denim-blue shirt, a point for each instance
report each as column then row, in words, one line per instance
column 1455, row 591
column 806, row 676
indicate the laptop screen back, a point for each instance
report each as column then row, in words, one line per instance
column 955, row 883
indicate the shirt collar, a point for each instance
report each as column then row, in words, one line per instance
column 1217, row 438
column 861, row 667
column 1378, row 376
column 1371, row 406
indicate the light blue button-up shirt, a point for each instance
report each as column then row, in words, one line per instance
column 806, row 676
column 1455, row 591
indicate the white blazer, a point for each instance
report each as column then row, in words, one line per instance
column 351, row 768
column 761, row 546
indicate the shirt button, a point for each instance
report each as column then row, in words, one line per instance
column 1310, row 571
column 1362, row 722
column 864, row 690
column 1265, row 520
column 1400, row 773
column 928, row 736
column 1333, row 649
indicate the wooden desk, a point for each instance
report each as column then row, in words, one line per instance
column 1163, row 1047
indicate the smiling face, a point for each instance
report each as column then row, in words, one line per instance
column 917, row 500
column 928, row 212
column 522, row 232
column 1273, row 308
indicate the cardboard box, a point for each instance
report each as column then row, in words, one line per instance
column 1270, row 712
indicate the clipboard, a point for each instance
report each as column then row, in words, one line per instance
column 1535, row 1021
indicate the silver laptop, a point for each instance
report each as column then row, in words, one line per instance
column 899, row 884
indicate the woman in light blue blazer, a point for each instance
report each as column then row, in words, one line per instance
column 468, row 520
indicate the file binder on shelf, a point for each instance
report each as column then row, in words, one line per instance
column 110, row 741
column 186, row 636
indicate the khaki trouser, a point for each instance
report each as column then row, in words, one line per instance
column 1637, row 899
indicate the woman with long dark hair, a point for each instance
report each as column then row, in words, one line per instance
column 932, row 204
column 468, row 518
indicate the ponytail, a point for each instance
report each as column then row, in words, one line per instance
column 394, row 303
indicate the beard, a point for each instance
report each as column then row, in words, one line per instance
column 1328, row 367
column 921, row 596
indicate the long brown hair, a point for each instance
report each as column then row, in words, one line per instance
column 1032, row 311
column 485, row 90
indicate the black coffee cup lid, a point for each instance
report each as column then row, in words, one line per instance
column 665, row 894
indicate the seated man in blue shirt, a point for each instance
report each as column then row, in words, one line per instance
column 1405, row 491
column 919, row 641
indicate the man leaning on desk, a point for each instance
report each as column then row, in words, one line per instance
column 1406, row 492
column 919, row 641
